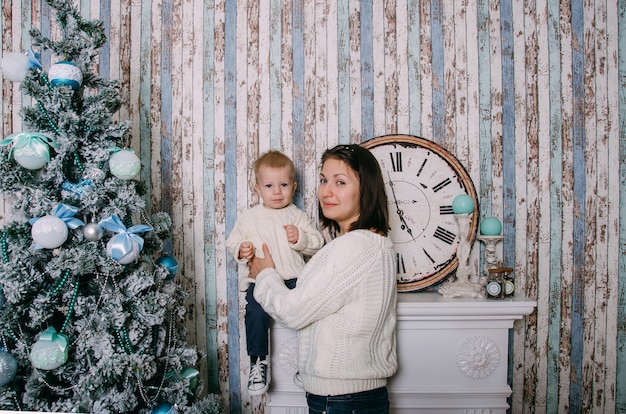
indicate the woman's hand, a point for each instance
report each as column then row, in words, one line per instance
column 258, row 264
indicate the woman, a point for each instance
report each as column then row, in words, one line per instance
column 344, row 304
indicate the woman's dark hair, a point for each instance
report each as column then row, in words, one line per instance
column 373, row 207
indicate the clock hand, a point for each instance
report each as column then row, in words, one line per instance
column 403, row 224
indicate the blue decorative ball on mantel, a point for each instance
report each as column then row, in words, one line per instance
column 170, row 264
column 463, row 204
column 491, row 226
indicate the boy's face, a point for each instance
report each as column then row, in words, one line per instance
column 275, row 187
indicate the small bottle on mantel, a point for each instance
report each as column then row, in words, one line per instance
column 509, row 282
column 495, row 284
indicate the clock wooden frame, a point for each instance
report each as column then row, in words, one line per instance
column 409, row 141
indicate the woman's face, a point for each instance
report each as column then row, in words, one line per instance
column 338, row 192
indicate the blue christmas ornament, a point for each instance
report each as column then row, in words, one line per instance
column 164, row 408
column 65, row 73
column 170, row 264
column 8, row 367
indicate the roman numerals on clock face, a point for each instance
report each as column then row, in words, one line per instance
column 420, row 187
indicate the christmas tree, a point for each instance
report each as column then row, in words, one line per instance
column 91, row 319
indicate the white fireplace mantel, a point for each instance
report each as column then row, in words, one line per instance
column 452, row 356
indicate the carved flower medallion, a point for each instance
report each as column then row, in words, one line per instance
column 477, row 357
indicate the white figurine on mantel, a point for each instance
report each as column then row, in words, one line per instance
column 463, row 286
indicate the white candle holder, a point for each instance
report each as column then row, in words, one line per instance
column 463, row 286
column 491, row 261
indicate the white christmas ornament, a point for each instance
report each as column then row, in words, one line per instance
column 30, row 159
column 65, row 73
column 14, row 66
column 49, row 232
column 31, row 150
column 50, row 351
column 124, row 164
column 128, row 257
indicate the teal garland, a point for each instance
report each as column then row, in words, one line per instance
column 123, row 339
column 78, row 163
column 45, row 114
column 45, row 80
column 70, row 309
column 5, row 253
column 62, row 281
column 11, row 335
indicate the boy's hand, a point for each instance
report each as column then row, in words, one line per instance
column 292, row 233
column 246, row 250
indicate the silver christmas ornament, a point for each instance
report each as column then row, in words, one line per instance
column 93, row 232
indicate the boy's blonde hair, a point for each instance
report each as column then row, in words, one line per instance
column 275, row 159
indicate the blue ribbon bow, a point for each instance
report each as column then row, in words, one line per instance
column 34, row 59
column 65, row 213
column 51, row 335
column 122, row 243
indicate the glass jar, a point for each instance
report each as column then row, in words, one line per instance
column 509, row 281
column 495, row 284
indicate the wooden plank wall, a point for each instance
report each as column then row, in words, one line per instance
column 529, row 94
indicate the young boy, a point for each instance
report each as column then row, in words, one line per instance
column 290, row 235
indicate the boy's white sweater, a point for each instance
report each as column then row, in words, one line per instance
column 260, row 224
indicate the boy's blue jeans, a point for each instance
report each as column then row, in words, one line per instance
column 366, row 402
column 258, row 323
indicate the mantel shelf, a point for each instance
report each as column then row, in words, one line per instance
column 426, row 305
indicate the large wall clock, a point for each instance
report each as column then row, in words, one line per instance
column 421, row 180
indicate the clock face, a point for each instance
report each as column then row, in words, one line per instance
column 421, row 180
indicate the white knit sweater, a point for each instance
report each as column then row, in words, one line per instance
column 344, row 307
column 260, row 224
